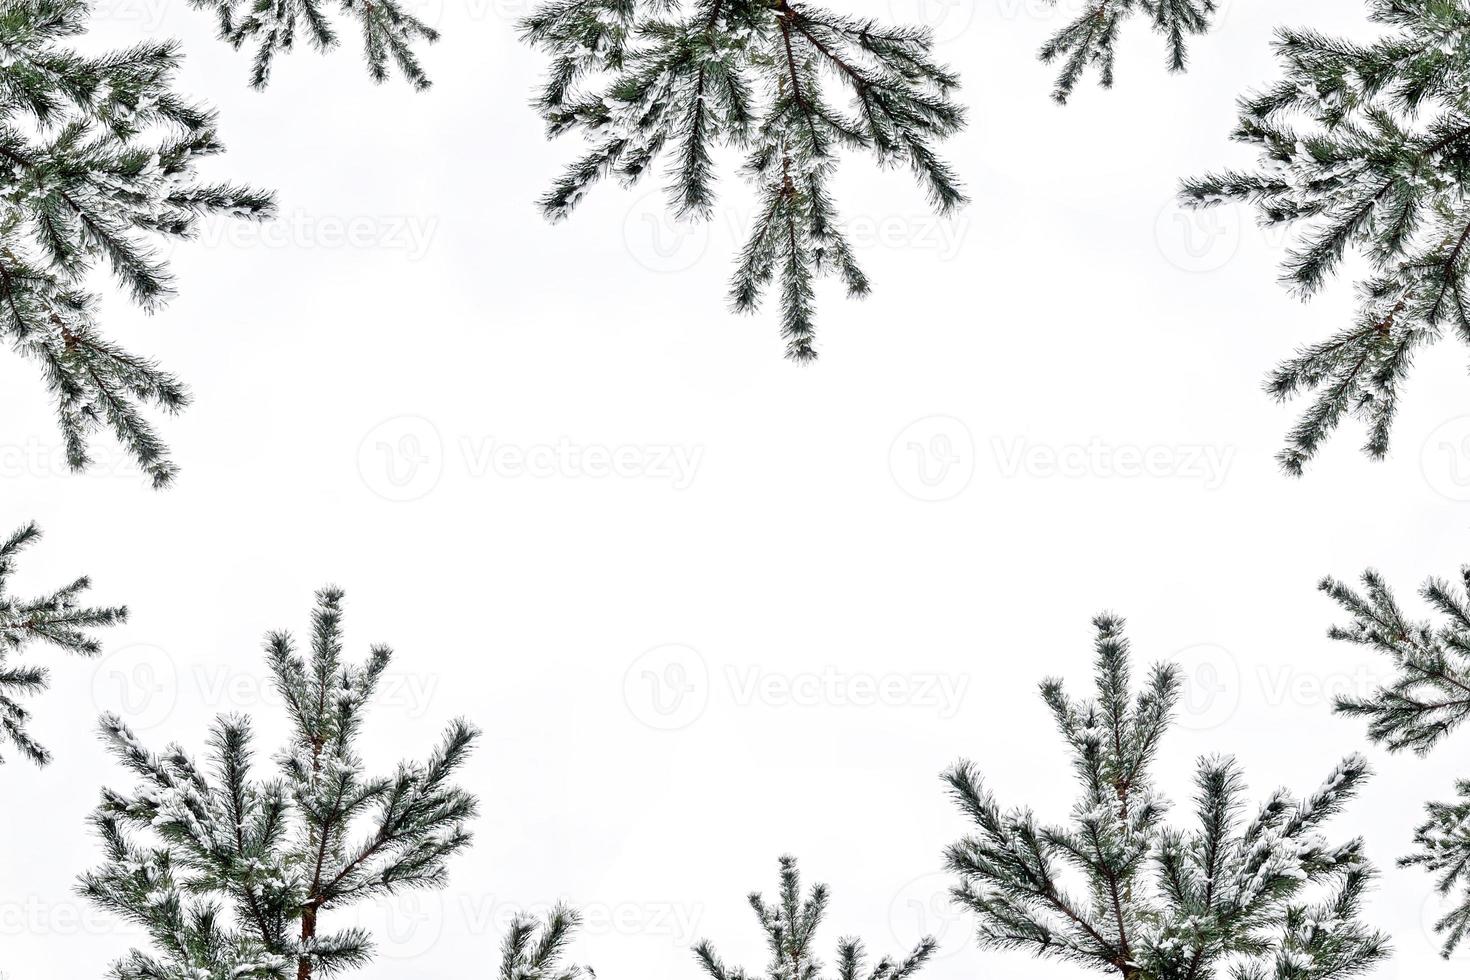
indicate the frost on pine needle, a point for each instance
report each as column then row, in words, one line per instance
column 790, row 924
column 1428, row 698
column 1364, row 148
column 1243, row 895
column 57, row 619
column 663, row 85
column 1090, row 40
column 232, row 875
column 97, row 166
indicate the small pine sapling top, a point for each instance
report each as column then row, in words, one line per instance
column 790, row 925
column 56, row 619
column 235, row 875
column 389, row 31
column 663, row 85
column 97, row 163
column 1090, row 40
column 535, row 951
column 1364, row 148
column 1117, row 889
column 1428, row 698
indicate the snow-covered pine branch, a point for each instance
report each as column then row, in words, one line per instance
column 234, row 875
column 1117, row 888
column 663, row 85
column 98, row 158
column 1364, row 148
column 56, row 619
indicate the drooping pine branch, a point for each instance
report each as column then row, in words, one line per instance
column 1090, row 40
column 1117, row 889
column 1428, row 699
column 388, row 30
column 1364, row 148
column 535, row 951
column 234, row 875
column 98, row 157
column 55, row 619
column 790, row 924
column 664, row 85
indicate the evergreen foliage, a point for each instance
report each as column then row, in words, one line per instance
column 97, row 163
column 1115, row 888
column 1364, row 148
column 231, row 873
column 1428, row 698
column 790, row 925
column 1090, row 40
column 388, row 29
column 534, row 951
column 652, row 80
column 56, row 619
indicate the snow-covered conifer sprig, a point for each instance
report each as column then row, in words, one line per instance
column 1428, row 698
column 388, row 28
column 790, row 924
column 1090, row 39
column 666, row 84
column 1364, row 148
column 98, row 158
column 56, row 619
column 232, row 874
column 534, row 950
column 1117, row 889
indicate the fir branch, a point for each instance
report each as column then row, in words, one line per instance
column 1119, row 890
column 658, row 81
column 56, row 619
column 231, row 874
column 535, row 951
column 1090, row 40
column 97, row 165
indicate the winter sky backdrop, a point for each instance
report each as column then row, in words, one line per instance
column 708, row 606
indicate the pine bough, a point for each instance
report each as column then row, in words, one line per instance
column 535, row 951
column 790, row 925
column 1428, row 699
column 232, row 874
column 56, row 619
column 1091, row 39
column 1364, row 148
column 1119, row 890
column 388, row 31
column 97, row 162
column 655, row 83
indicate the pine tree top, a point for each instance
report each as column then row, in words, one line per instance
column 231, row 874
column 1090, row 40
column 54, row 619
column 534, row 950
column 1364, row 148
column 1117, row 888
column 664, row 85
column 790, row 924
column 98, row 158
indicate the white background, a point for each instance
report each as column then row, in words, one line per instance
column 1068, row 316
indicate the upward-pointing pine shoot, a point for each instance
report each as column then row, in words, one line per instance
column 1115, row 888
column 662, row 86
